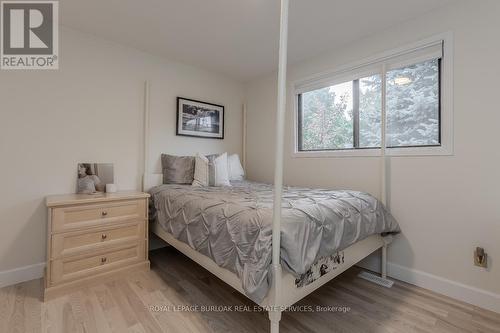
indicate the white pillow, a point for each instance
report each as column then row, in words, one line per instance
column 218, row 174
column 236, row 171
column 200, row 170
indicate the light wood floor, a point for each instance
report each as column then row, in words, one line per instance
column 124, row 305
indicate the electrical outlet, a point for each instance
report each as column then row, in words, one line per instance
column 480, row 257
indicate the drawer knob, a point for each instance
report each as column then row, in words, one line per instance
column 104, row 236
column 103, row 260
column 104, row 213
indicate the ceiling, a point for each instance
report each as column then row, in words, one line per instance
column 238, row 38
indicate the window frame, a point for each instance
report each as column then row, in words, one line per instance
column 378, row 65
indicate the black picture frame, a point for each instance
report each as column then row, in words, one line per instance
column 212, row 124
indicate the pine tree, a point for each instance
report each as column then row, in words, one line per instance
column 413, row 108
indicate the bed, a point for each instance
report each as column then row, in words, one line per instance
column 228, row 231
column 274, row 288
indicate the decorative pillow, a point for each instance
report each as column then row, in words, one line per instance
column 200, row 171
column 236, row 171
column 177, row 169
column 218, row 174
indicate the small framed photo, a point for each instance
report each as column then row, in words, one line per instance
column 92, row 178
column 199, row 119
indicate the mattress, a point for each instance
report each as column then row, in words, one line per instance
column 233, row 226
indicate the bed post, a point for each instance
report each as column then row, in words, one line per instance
column 382, row 279
column 146, row 136
column 383, row 180
column 244, row 139
column 383, row 157
column 384, row 262
column 275, row 304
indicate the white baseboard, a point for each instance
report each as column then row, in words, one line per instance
column 465, row 293
column 21, row 274
column 472, row 295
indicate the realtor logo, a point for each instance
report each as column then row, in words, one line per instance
column 29, row 35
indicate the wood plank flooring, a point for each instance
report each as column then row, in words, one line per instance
column 144, row 302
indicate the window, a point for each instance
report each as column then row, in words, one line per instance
column 413, row 105
column 327, row 118
column 370, row 109
column 343, row 112
column 342, row 116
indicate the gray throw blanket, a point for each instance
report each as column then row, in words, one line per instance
column 233, row 226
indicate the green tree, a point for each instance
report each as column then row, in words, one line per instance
column 326, row 120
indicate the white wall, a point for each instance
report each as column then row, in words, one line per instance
column 91, row 110
column 446, row 205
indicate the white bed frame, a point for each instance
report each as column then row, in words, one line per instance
column 291, row 293
column 283, row 292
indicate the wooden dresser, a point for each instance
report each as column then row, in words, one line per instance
column 91, row 238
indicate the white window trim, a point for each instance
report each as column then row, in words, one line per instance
column 446, row 147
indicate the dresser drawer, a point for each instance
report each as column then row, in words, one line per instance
column 73, row 243
column 82, row 216
column 67, row 269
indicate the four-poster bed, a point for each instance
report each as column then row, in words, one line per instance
column 284, row 290
column 196, row 221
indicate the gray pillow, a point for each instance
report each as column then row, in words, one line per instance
column 177, row 169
